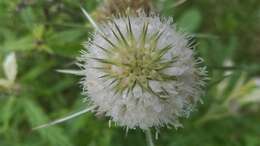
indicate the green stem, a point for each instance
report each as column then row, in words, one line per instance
column 149, row 138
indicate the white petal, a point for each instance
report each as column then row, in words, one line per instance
column 257, row 81
column 4, row 83
column 253, row 97
column 10, row 67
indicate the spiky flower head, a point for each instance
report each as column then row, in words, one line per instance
column 141, row 72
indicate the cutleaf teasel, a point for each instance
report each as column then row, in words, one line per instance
column 140, row 72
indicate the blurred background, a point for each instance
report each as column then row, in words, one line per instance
column 37, row 37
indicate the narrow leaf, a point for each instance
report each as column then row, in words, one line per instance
column 74, row 72
column 93, row 23
column 65, row 118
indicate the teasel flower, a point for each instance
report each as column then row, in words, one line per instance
column 108, row 8
column 140, row 72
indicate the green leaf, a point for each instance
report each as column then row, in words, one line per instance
column 28, row 17
column 66, row 43
column 19, row 44
column 6, row 113
column 191, row 20
column 55, row 136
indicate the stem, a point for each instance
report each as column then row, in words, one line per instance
column 149, row 138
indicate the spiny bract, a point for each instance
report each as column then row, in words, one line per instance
column 141, row 72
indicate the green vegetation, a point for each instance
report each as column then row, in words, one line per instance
column 47, row 35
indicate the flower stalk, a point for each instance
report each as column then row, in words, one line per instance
column 149, row 138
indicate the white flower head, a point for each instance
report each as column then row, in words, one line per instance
column 141, row 72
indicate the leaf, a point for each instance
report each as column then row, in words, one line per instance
column 25, row 43
column 67, row 36
column 10, row 67
column 190, row 21
column 66, row 43
column 35, row 115
column 74, row 72
column 91, row 20
column 28, row 17
column 38, row 32
column 66, row 118
column 6, row 113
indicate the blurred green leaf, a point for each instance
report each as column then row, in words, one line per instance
column 53, row 135
column 47, row 35
column 191, row 20
column 66, row 43
column 6, row 113
column 28, row 17
column 18, row 44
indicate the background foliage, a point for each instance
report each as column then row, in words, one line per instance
column 46, row 35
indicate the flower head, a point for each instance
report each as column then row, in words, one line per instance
column 141, row 72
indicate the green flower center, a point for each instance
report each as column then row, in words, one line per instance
column 130, row 62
